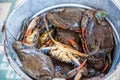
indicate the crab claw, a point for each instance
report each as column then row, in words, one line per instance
column 71, row 73
column 73, row 43
column 62, row 27
column 76, row 71
column 82, row 65
column 78, row 75
column 106, row 66
column 74, row 60
column 80, row 70
column 49, row 42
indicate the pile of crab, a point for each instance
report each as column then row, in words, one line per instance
column 66, row 44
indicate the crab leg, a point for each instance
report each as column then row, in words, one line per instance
column 84, row 23
column 80, row 70
column 81, row 66
column 83, row 44
column 78, row 75
column 49, row 42
column 71, row 73
column 77, row 71
column 105, row 67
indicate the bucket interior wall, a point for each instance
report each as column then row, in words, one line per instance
column 30, row 7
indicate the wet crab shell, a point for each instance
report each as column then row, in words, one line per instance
column 96, row 34
column 34, row 63
column 69, row 18
column 100, row 36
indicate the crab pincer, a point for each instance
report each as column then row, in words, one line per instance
column 73, row 43
column 80, row 70
column 77, row 72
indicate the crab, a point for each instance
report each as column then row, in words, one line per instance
column 97, row 33
column 64, row 53
column 29, row 32
column 36, row 64
column 68, row 18
column 73, row 36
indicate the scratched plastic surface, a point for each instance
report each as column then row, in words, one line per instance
column 30, row 7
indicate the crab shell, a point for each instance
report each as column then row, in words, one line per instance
column 69, row 18
column 96, row 34
column 34, row 62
